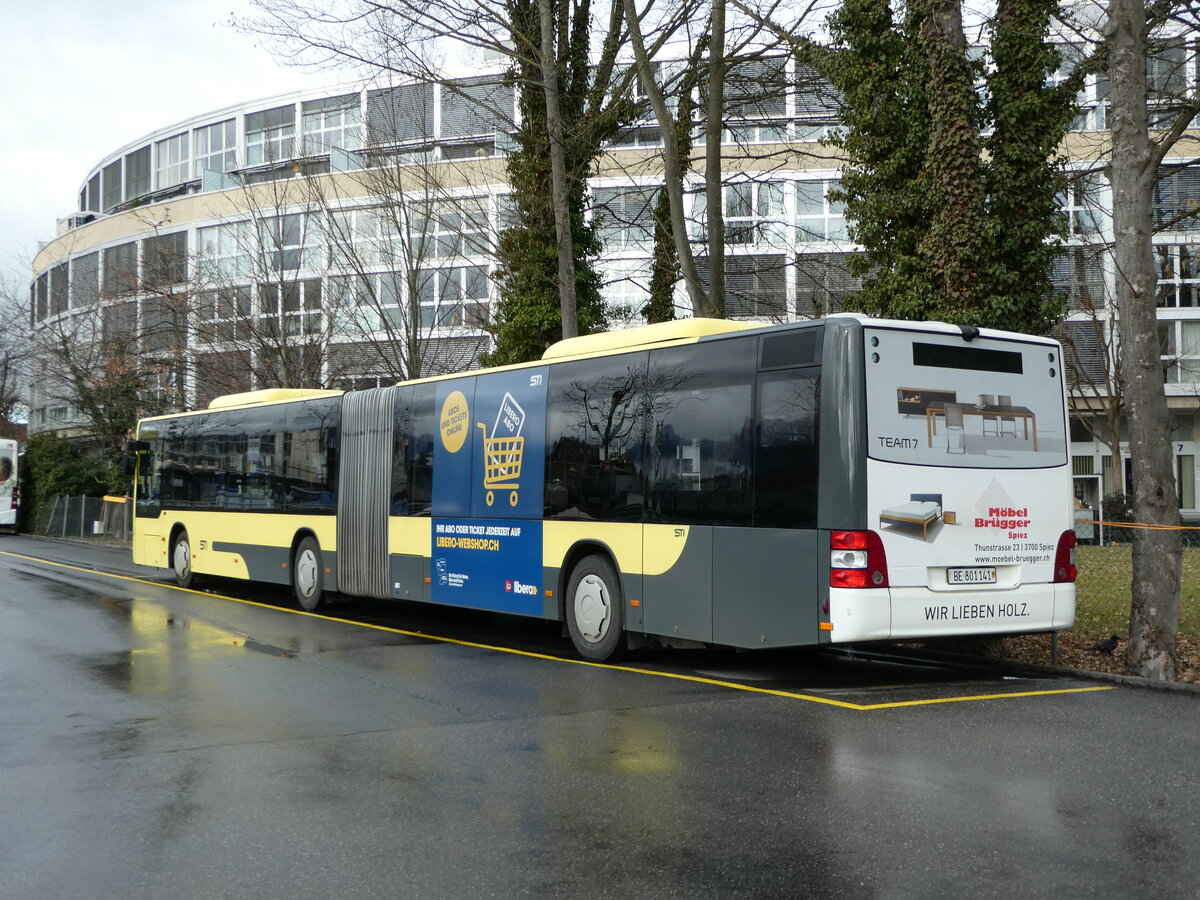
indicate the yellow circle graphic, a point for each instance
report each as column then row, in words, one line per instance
column 455, row 417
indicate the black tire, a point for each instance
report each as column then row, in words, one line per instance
column 308, row 575
column 181, row 560
column 595, row 610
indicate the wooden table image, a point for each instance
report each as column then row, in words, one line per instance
column 996, row 412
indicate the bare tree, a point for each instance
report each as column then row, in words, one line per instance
column 14, row 354
column 1137, row 153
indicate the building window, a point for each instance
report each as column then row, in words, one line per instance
column 120, row 272
column 137, row 173
column 1177, row 200
column 355, row 239
column 1081, row 204
column 296, row 305
column 1178, row 275
column 453, row 297
column 332, row 122
column 1179, row 343
column 754, row 213
column 164, row 260
column 224, row 315
column 222, row 251
column 816, row 105
column 755, row 285
column 113, row 185
column 174, row 161
column 365, row 304
column 216, row 147
column 1078, row 277
column 626, row 290
column 450, row 230
column 164, row 318
column 756, row 92
column 400, row 114
column 281, row 243
column 1085, row 353
column 818, row 217
column 58, row 289
column 823, row 283
column 41, row 296
column 270, row 135
column 476, row 106
column 85, row 280
column 624, row 216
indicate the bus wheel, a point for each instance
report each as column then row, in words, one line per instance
column 181, row 560
column 595, row 610
column 308, row 576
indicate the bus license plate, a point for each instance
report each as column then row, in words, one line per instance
column 971, row 575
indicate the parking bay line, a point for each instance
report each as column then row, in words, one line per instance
column 695, row 679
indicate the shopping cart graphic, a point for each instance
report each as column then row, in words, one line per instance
column 501, row 465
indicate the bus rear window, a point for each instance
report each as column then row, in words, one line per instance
column 973, row 359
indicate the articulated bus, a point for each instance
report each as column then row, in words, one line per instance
column 10, row 491
column 699, row 482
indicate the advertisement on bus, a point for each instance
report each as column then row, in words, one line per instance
column 967, row 446
column 489, row 468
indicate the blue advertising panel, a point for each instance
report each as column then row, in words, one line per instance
column 509, row 431
column 488, row 484
column 490, row 564
column 452, row 470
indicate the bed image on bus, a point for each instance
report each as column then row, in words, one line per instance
column 700, row 481
column 10, row 492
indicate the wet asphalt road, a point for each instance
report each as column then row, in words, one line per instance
column 162, row 743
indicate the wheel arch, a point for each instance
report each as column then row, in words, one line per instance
column 577, row 552
column 302, row 533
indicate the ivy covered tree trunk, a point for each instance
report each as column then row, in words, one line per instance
column 948, row 231
column 529, row 315
column 953, row 249
column 1154, row 611
column 1025, row 171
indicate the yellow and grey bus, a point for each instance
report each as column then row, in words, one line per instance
column 701, row 481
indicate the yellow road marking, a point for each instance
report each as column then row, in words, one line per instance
column 695, row 679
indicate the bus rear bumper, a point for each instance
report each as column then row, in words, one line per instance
column 914, row 612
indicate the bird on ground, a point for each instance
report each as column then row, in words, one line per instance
column 1108, row 645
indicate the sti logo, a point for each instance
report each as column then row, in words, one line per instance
column 515, row 587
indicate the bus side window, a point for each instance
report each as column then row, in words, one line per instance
column 420, row 450
column 701, row 404
column 594, row 439
column 401, row 440
column 786, row 449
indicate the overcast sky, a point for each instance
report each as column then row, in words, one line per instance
column 82, row 78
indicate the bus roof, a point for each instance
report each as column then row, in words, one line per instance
column 661, row 332
column 269, row 395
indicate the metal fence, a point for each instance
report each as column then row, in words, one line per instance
column 88, row 517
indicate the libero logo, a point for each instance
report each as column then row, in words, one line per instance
column 516, row 587
column 1006, row 518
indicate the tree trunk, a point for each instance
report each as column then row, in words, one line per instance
column 712, row 163
column 672, row 167
column 1154, row 612
column 558, row 176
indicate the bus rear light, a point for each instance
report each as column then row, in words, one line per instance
column 857, row 560
column 1064, row 558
